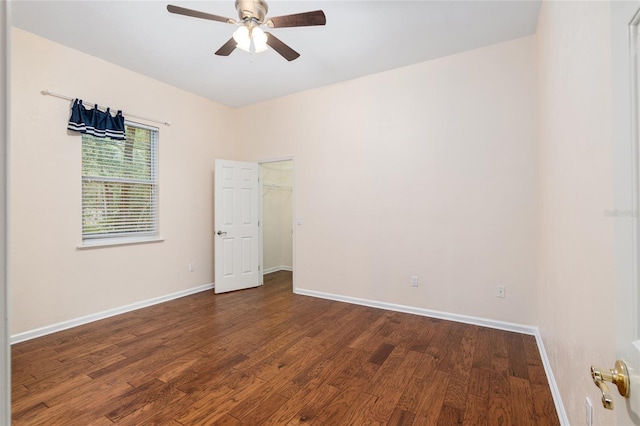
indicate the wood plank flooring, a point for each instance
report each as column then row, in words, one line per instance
column 268, row 357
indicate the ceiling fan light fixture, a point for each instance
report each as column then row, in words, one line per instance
column 259, row 39
column 246, row 46
column 242, row 38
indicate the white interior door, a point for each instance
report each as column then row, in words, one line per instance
column 627, row 298
column 236, row 219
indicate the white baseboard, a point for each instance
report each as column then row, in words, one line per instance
column 501, row 325
column 278, row 268
column 555, row 392
column 43, row 331
column 483, row 322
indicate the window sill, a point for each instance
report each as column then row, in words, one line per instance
column 89, row 244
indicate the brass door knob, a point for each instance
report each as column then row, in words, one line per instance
column 619, row 376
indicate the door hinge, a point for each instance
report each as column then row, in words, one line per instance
column 258, row 267
column 258, row 223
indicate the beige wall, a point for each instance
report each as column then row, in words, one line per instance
column 576, row 268
column 51, row 280
column 418, row 171
column 427, row 170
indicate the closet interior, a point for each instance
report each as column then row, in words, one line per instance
column 277, row 207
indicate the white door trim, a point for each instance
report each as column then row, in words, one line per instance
column 5, row 351
column 293, row 216
column 635, row 133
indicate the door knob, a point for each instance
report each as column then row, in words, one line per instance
column 619, row 376
column 221, row 232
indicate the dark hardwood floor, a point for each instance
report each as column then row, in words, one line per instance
column 268, row 357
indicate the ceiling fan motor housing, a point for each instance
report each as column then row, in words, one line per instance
column 252, row 10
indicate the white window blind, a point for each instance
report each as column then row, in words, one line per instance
column 120, row 185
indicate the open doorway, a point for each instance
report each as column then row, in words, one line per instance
column 277, row 216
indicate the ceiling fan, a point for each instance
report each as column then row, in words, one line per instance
column 252, row 14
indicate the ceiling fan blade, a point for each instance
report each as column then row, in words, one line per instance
column 227, row 48
column 197, row 14
column 305, row 19
column 285, row 51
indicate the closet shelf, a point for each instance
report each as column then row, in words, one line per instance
column 272, row 186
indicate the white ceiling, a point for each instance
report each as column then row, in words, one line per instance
column 360, row 38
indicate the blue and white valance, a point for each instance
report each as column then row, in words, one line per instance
column 95, row 122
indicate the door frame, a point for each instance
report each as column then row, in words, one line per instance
column 5, row 348
column 293, row 216
column 634, row 33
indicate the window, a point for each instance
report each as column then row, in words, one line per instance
column 120, row 186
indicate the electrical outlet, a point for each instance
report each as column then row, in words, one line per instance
column 414, row 281
column 500, row 291
column 588, row 411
